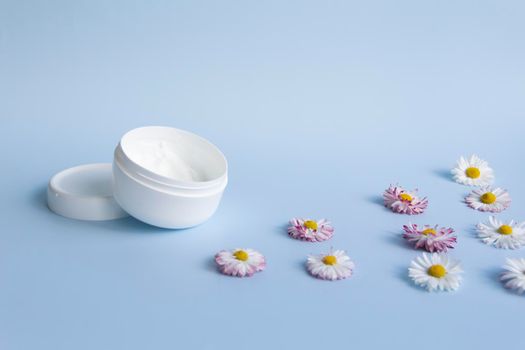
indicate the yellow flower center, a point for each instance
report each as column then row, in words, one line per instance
column 405, row 197
column 310, row 224
column 241, row 255
column 505, row 230
column 429, row 231
column 437, row 271
column 330, row 260
column 488, row 198
column 472, row 172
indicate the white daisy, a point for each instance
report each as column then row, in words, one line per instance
column 509, row 235
column 240, row 262
column 335, row 265
column 435, row 272
column 514, row 275
column 473, row 172
column 490, row 199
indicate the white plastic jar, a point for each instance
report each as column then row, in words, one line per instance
column 168, row 177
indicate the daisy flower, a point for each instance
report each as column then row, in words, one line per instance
column 335, row 265
column 514, row 275
column 240, row 262
column 509, row 235
column 401, row 201
column 310, row 230
column 431, row 238
column 435, row 272
column 490, row 199
column 473, row 172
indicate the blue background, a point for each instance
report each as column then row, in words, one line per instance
column 319, row 106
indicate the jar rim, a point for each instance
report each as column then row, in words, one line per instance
column 189, row 142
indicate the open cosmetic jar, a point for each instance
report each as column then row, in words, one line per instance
column 168, row 177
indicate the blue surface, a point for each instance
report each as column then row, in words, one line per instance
column 319, row 106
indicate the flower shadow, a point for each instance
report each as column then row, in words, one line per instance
column 282, row 229
column 210, row 265
column 443, row 173
column 396, row 239
column 472, row 232
column 493, row 275
column 377, row 200
column 402, row 274
column 300, row 265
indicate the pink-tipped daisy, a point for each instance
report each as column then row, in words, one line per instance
column 310, row 230
column 431, row 238
column 333, row 266
column 514, row 275
column 490, row 199
column 401, row 201
column 240, row 262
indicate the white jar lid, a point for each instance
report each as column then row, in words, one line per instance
column 84, row 192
